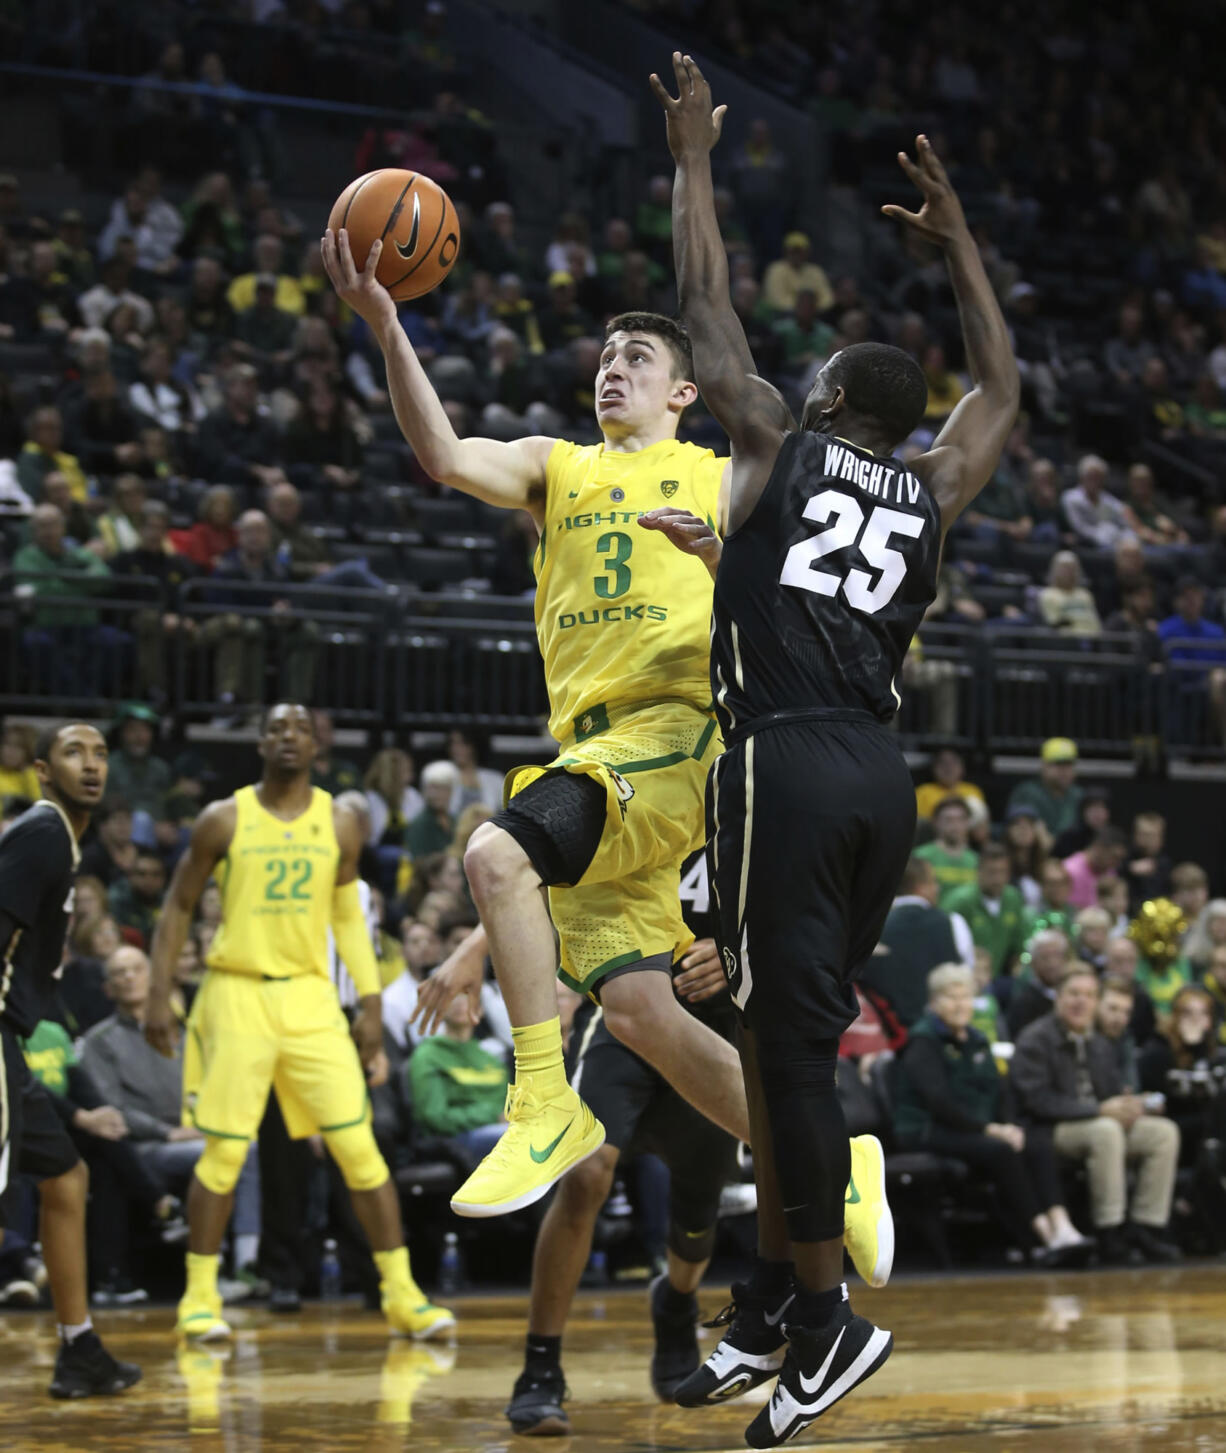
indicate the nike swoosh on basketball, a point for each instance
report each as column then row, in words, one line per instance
column 814, row 1384
column 775, row 1320
column 541, row 1156
column 407, row 249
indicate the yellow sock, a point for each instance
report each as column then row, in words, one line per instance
column 538, row 1056
column 394, row 1267
column 202, row 1276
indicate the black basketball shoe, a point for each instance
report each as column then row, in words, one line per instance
column 820, row 1368
column 84, row 1368
column 676, row 1351
column 750, row 1352
column 535, row 1409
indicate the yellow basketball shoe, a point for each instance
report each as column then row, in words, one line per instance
column 868, row 1225
column 200, row 1318
column 410, row 1313
column 543, row 1139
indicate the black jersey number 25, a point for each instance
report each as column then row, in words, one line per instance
column 846, row 526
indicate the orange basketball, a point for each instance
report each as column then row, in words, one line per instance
column 415, row 219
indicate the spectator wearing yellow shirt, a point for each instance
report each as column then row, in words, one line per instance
column 42, row 454
column 794, row 273
column 944, row 387
column 17, row 775
column 948, row 780
column 268, row 256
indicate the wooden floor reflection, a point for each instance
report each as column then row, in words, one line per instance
column 1108, row 1361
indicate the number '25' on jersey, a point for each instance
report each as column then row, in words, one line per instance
column 821, row 589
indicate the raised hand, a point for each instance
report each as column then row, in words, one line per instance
column 940, row 219
column 361, row 291
column 692, row 125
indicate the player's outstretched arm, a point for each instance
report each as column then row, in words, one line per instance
column 968, row 448
column 462, row 973
column 753, row 416
column 210, row 841
column 510, row 475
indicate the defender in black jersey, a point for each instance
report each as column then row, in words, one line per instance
column 829, row 562
column 38, row 861
column 641, row 1112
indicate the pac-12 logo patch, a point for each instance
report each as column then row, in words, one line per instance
column 668, row 488
column 617, row 495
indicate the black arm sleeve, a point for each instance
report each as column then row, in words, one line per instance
column 925, row 1068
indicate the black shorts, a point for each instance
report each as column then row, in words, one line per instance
column 642, row 1113
column 809, row 827
column 33, row 1139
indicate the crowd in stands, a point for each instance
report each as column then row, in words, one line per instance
column 184, row 401
column 1049, row 992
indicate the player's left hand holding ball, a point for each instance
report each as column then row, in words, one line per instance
column 693, row 126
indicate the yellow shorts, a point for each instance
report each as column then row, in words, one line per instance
column 246, row 1035
column 653, row 762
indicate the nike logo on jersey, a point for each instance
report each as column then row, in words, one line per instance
column 778, row 1317
column 406, row 250
column 541, row 1156
column 813, row 1384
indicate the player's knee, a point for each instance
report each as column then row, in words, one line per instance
column 585, row 1188
column 69, row 1189
column 794, row 1063
column 355, row 1152
column 221, row 1163
column 496, row 865
column 1106, row 1136
column 692, row 1242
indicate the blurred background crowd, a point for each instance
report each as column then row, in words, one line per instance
column 205, row 504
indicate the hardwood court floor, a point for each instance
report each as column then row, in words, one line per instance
column 1100, row 1361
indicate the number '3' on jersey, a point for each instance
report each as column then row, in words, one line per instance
column 820, row 591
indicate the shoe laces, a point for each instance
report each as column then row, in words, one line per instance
column 742, row 1296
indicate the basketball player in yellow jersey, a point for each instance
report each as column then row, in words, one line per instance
column 624, row 626
column 267, row 1015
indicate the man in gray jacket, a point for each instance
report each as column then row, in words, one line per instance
column 1066, row 1075
column 148, row 1089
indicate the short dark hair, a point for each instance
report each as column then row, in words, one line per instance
column 147, row 855
column 293, row 705
column 883, row 383
column 1110, row 837
column 112, row 807
column 656, row 325
column 47, row 739
column 953, row 800
column 993, row 853
column 1118, row 984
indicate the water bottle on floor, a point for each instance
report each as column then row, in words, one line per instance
column 451, row 1266
column 329, row 1273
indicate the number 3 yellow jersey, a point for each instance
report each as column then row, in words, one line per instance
column 276, row 891
column 622, row 615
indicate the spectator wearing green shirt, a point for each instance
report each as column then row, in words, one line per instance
column 993, row 908
column 1052, row 909
column 136, row 773
column 1001, row 508
column 136, row 900
column 66, row 647
column 1054, row 793
column 432, row 830
column 954, row 861
column 806, row 339
column 332, row 774
column 457, row 1088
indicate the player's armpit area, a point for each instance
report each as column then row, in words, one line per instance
column 506, row 475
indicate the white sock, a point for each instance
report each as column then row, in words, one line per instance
column 246, row 1249
column 68, row 1335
